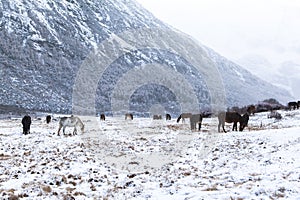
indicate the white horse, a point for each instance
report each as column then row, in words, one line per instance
column 71, row 122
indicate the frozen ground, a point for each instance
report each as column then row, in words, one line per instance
column 145, row 159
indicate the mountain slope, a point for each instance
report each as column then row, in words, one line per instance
column 45, row 46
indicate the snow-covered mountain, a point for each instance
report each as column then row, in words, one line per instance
column 285, row 75
column 97, row 56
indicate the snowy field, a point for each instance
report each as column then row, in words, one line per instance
column 146, row 159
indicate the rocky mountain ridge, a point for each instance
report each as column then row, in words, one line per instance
column 45, row 45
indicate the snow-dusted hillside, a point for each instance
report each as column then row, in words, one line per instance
column 143, row 159
column 277, row 75
column 92, row 56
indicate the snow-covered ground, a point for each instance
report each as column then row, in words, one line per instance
column 146, row 159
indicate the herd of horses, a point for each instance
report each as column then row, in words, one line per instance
column 195, row 119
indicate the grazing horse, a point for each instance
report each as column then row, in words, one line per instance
column 183, row 116
column 102, row 117
column 71, row 122
column 232, row 117
column 194, row 120
column 168, row 117
column 26, row 122
column 128, row 116
column 157, row 117
column 293, row 105
column 48, row 119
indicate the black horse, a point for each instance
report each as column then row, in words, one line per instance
column 293, row 105
column 168, row 117
column 48, row 119
column 102, row 117
column 233, row 117
column 128, row 116
column 26, row 122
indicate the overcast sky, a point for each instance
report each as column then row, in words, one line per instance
column 267, row 30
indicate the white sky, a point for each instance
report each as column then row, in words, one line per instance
column 237, row 29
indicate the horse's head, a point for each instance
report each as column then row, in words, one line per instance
column 244, row 121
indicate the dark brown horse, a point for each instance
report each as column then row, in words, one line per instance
column 232, row 117
column 251, row 109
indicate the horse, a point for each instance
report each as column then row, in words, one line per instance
column 102, row 117
column 251, row 109
column 26, row 122
column 71, row 122
column 157, row 117
column 194, row 120
column 48, row 119
column 168, row 117
column 293, row 105
column 128, row 116
column 183, row 116
column 233, row 117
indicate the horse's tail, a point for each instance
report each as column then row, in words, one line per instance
column 178, row 119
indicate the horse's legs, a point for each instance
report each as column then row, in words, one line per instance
column 59, row 129
column 192, row 124
column 223, row 126
column 64, row 129
column 199, row 126
column 75, row 131
column 234, row 126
